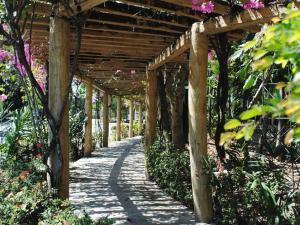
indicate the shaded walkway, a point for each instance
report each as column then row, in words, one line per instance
column 112, row 183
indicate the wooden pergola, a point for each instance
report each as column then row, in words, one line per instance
column 124, row 43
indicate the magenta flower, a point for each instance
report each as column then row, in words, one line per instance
column 253, row 4
column 204, row 6
column 3, row 98
column 211, row 55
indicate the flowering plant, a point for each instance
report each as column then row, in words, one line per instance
column 204, row 6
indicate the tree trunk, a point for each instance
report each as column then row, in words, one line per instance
column 131, row 118
column 197, row 124
column 175, row 92
column 140, row 118
column 222, row 48
column 163, row 108
column 59, row 68
column 119, row 118
column 151, row 111
column 105, row 119
column 88, row 144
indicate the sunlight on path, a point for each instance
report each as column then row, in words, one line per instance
column 112, row 183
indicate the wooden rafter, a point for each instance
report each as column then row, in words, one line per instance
column 217, row 25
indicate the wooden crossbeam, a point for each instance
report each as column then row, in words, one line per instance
column 220, row 24
column 218, row 8
column 84, row 6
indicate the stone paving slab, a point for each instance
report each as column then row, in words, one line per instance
column 112, row 183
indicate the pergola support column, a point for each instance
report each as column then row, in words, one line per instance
column 140, row 125
column 198, row 124
column 88, row 144
column 59, row 68
column 119, row 118
column 105, row 119
column 131, row 118
column 151, row 111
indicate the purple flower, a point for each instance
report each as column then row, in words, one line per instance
column 253, row 4
column 204, row 6
column 3, row 98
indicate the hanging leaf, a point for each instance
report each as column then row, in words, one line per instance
column 236, row 55
column 259, row 53
column 263, row 63
column 253, row 112
column 250, row 44
column 231, row 124
column 249, row 83
column 227, row 136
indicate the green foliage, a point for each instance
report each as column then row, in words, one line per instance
column 252, row 190
column 25, row 198
column 277, row 47
column 169, row 167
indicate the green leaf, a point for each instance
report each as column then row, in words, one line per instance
column 249, row 83
column 250, row 44
column 227, row 136
column 236, row 55
column 231, row 124
column 259, row 53
column 253, row 112
column 263, row 63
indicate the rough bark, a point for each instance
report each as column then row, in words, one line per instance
column 105, row 119
column 119, row 118
column 175, row 93
column 88, row 143
column 198, row 125
column 59, row 68
column 222, row 47
column 163, row 108
column 151, row 111
column 131, row 118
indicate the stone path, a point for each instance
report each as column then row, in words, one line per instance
column 112, row 183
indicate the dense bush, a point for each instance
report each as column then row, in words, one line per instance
column 169, row 167
column 24, row 194
column 246, row 190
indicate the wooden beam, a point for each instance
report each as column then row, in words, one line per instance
column 138, row 17
column 119, row 118
column 218, row 8
column 105, row 119
column 131, row 118
column 178, row 48
column 84, row 6
column 198, row 125
column 220, row 24
column 88, row 141
column 59, row 69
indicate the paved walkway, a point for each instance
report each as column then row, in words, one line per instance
column 112, row 183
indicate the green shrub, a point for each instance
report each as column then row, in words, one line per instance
column 169, row 167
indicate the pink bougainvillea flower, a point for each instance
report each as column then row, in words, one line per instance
column 253, row 4
column 3, row 98
column 39, row 145
column 38, row 156
column 24, row 174
column 204, row 6
column 211, row 54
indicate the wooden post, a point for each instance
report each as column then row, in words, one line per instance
column 119, row 118
column 131, row 118
column 105, row 119
column 88, row 144
column 198, row 124
column 59, row 68
column 140, row 128
column 151, row 111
